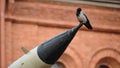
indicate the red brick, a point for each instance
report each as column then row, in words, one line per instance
column 28, row 26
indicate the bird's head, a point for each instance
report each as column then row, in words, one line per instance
column 78, row 11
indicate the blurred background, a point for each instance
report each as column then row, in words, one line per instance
column 29, row 23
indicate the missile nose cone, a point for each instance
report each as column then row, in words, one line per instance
column 50, row 51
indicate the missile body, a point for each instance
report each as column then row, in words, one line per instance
column 46, row 54
column 30, row 60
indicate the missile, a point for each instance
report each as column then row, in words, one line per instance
column 46, row 54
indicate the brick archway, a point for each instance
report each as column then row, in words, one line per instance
column 108, row 62
column 107, row 53
column 70, row 59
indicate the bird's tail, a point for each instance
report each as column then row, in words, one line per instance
column 88, row 25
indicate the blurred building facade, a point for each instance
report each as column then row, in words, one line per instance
column 28, row 23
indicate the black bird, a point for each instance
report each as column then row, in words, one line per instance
column 82, row 18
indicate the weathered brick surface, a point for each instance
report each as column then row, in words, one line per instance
column 2, row 32
column 28, row 26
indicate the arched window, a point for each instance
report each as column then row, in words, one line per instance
column 103, row 66
column 108, row 62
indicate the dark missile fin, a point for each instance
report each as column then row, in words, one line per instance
column 24, row 50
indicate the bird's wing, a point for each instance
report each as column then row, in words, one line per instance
column 87, row 24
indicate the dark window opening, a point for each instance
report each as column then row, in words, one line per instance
column 103, row 66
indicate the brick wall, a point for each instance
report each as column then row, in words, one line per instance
column 28, row 26
column 2, row 33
